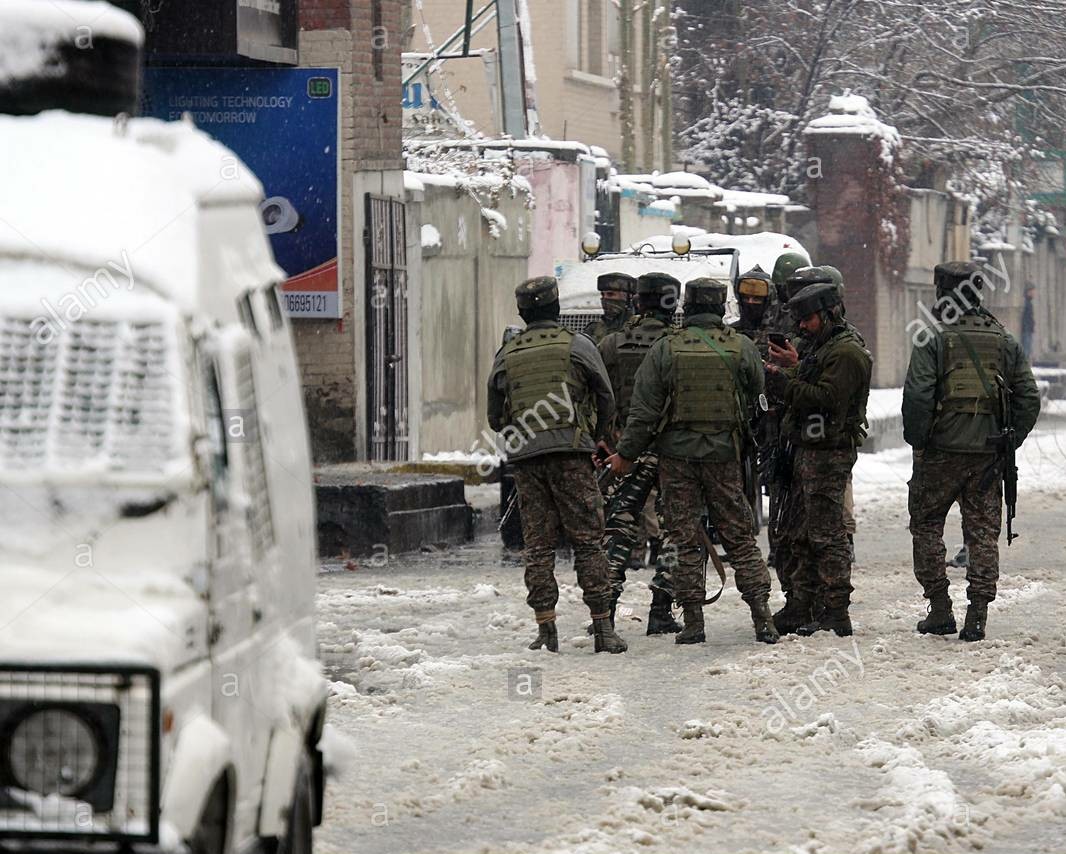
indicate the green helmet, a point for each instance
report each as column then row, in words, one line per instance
column 814, row 298
column 536, row 292
column 786, row 265
column 834, row 274
column 708, row 292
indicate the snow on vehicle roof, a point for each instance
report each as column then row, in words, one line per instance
column 577, row 282
column 68, row 19
column 763, row 248
column 83, row 191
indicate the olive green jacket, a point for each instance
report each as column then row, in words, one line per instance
column 961, row 432
column 826, row 394
column 651, row 396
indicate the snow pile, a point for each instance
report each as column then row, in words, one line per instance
column 496, row 220
column 411, row 183
column 852, row 114
column 664, row 206
column 920, row 804
column 699, row 729
column 430, row 237
column 732, row 199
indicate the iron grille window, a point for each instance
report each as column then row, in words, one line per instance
column 79, row 753
column 260, row 519
column 97, row 392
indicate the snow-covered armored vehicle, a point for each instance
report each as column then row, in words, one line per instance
column 158, row 683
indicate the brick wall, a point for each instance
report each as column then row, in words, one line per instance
column 338, row 33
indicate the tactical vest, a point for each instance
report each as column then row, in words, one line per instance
column 632, row 344
column 540, row 378
column 961, row 388
column 705, row 394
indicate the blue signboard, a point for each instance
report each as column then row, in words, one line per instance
column 283, row 123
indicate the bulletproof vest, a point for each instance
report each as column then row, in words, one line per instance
column 705, row 393
column 961, row 388
column 539, row 370
column 633, row 344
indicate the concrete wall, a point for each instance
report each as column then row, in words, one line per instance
column 339, row 33
column 466, row 300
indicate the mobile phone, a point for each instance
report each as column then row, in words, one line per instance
column 778, row 339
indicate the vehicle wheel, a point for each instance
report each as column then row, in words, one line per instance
column 299, row 838
column 210, row 836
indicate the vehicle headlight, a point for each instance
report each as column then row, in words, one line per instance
column 54, row 751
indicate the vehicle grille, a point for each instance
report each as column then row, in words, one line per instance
column 577, row 322
column 79, row 753
column 96, row 393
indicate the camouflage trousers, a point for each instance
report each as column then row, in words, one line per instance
column 814, row 558
column 560, row 490
column 939, row 480
column 627, row 506
column 689, row 486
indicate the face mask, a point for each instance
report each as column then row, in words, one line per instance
column 753, row 314
column 613, row 308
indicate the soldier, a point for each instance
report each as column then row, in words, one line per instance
column 693, row 389
column 826, row 399
column 623, row 352
column 753, row 293
column 787, row 263
column 550, row 399
column 958, row 374
column 616, row 297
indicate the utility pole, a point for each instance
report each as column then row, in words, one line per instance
column 667, row 44
column 625, row 86
column 512, row 84
column 647, row 84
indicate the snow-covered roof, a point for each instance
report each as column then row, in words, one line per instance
column 82, row 191
column 745, row 199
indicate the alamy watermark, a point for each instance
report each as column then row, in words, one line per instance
column 821, row 681
column 555, row 409
column 951, row 306
column 74, row 305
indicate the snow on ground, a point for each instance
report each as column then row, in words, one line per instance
column 885, row 743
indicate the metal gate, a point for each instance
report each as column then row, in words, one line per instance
column 386, row 333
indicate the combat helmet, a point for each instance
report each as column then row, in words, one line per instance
column 804, row 277
column 821, row 296
column 787, row 263
column 661, row 288
column 708, row 292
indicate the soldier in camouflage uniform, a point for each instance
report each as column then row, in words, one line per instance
column 616, row 299
column 550, row 399
column 824, row 422
column 951, row 410
column 691, row 398
column 623, row 352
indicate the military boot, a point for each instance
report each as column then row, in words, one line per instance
column 604, row 636
column 797, row 612
column 765, row 631
column 693, row 631
column 661, row 616
column 976, row 617
column 547, row 634
column 940, row 620
column 590, row 629
column 831, row 620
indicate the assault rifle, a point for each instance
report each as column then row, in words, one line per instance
column 1005, row 442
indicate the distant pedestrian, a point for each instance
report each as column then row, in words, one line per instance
column 1029, row 322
